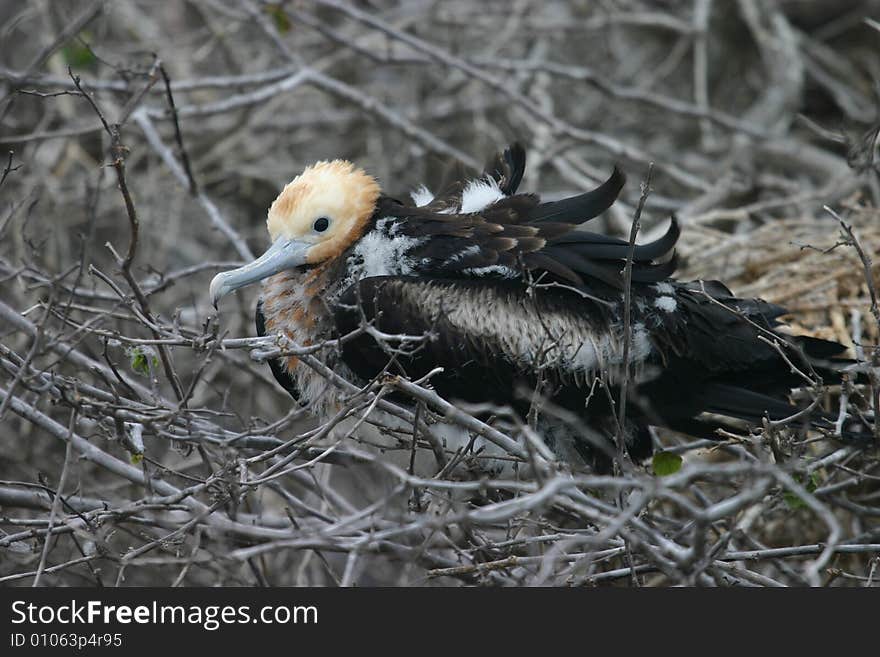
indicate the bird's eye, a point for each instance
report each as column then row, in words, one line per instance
column 321, row 224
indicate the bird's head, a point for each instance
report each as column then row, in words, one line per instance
column 315, row 218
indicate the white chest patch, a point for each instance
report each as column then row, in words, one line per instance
column 378, row 254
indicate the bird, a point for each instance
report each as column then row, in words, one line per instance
column 515, row 301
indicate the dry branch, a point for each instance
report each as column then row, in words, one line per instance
column 146, row 442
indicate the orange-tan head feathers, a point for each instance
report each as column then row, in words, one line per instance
column 317, row 216
column 328, row 205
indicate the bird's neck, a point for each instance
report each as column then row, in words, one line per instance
column 294, row 303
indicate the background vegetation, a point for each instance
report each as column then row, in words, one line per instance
column 143, row 441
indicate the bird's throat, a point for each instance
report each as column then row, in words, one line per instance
column 294, row 305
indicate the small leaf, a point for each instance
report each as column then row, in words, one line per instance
column 77, row 55
column 142, row 359
column 795, row 502
column 666, row 463
column 279, row 17
column 139, row 362
column 136, row 458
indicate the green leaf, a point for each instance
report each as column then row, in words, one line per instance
column 139, row 363
column 77, row 55
column 666, row 463
column 136, row 458
column 795, row 502
column 279, row 17
column 142, row 359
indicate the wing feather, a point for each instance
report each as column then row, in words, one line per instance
column 583, row 207
column 518, row 231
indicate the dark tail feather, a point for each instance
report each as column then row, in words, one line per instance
column 819, row 348
column 593, row 245
column 608, row 273
column 753, row 407
column 645, row 273
column 744, row 404
column 507, row 168
column 583, row 207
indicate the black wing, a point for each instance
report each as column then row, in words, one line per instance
column 715, row 354
column 519, row 233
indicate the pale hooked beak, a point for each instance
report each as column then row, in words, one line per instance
column 283, row 254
